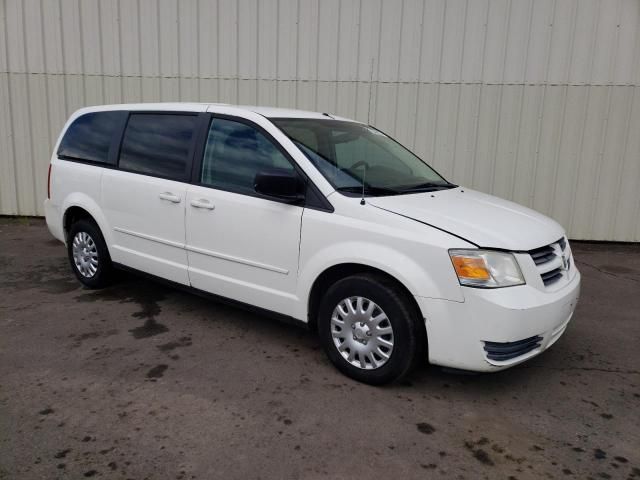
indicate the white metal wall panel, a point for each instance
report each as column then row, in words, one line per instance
column 533, row 100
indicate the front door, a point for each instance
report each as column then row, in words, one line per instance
column 239, row 244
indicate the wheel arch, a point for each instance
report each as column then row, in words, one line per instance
column 342, row 270
column 79, row 206
column 72, row 215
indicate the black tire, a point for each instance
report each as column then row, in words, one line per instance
column 104, row 271
column 408, row 333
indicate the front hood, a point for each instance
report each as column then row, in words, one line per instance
column 484, row 220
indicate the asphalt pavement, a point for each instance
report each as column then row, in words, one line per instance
column 141, row 381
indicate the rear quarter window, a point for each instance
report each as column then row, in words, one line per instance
column 90, row 136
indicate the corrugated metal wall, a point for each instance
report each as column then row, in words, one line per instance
column 533, row 100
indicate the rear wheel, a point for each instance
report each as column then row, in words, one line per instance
column 88, row 254
column 369, row 329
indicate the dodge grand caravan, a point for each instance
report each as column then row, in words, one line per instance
column 314, row 218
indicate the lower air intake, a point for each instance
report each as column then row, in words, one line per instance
column 506, row 351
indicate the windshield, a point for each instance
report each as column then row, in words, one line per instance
column 352, row 156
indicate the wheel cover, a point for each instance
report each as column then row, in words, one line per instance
column 85, row 254
column 362, row 333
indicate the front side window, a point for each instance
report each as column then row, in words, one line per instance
column 158, row 144
column 235, row 152
column 89, row 137
column 352, row 156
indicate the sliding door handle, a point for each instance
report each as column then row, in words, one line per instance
column 171, row 197
column 202, row 203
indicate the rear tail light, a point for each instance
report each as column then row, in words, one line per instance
column 49, row 183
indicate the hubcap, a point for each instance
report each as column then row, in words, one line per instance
column 85, row 254
column 362, row 333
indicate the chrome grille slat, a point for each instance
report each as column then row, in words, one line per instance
column 552, row 265
column 543, row 255
column 551, row 276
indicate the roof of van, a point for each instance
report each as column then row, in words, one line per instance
column 269, row 112
column 275, row 112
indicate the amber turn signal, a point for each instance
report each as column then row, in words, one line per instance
column 471, row 267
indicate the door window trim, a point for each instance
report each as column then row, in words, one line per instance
column 314, row 199
column 201, row 117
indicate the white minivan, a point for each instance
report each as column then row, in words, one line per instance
column 313, row 218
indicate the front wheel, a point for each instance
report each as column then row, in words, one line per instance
column 88, row 254
column 369, row 329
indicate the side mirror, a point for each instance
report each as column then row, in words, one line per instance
column 279, row 183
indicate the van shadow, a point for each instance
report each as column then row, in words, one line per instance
column 154, row 301
column 151, row 297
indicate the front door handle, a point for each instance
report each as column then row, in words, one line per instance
column 170, row 197
column 202, row 203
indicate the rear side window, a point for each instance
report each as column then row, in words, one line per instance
column 235, row 153
column 158, row 144
column 89, row 137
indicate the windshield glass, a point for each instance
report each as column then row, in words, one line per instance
column 352, row 155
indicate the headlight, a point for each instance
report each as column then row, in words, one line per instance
column 486, row 268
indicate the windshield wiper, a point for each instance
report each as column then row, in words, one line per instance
column 428, row 187
column 368, row 190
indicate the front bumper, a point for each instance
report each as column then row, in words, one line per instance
column 457, row 331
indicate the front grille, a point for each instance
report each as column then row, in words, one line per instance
column 552, row 261
column 551, row 276
column 543, row 255
column 509, row 350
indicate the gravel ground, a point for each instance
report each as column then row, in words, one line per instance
column 143, row 381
